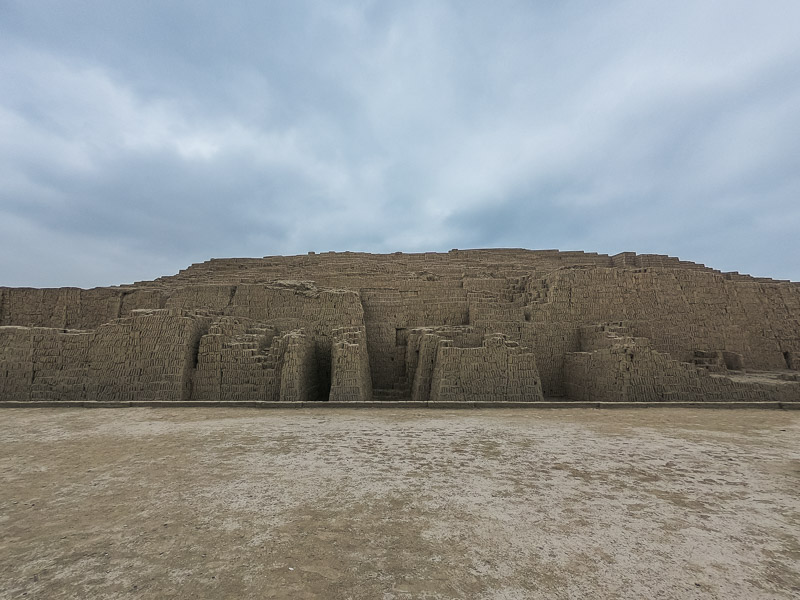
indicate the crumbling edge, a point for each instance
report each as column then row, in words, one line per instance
column 400, row 404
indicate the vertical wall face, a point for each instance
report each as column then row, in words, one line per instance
column 60, row 365
column 498, row 371
column 298, row 374
column 524, row 383
column 296, row 305
column 212, row 360
column 629, row 371
column 54, row 307
column 145, row 357
column 550, row 332
column 43, row 364
column 426, row 348
column 679, row 310
column 73, row 308
column 16, row 363
column 351, row 380
column 389, row 313
column 423, row 347
column 384, row 315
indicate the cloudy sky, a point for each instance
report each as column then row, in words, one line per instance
column 139, row 137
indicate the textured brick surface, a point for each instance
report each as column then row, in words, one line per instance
column 467, row 325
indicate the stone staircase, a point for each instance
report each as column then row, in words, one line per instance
column 399, row 392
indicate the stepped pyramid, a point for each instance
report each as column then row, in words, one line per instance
column 494, row 325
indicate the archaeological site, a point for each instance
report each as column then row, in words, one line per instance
column 467, row 326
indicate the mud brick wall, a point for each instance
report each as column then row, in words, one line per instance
column 628, row 372
column 634, row 372
column 596, row 337
column 60, row 364
column 495, row 372
column 292, row 305
column 143, row 357
column 390, row 312
column 384, row 315
column 680, row 310
column 238, row 360
column 549, row 340
column 297, row 305
column 54, row 307
column 16, row 363
column 421, row 376
column 350, row 373
column 285, row 305
column 298, row 373
column 421, row 350
column 73, row 308
column 463, row 336
column 549, row 336
column 148, row 356
column 212, row 360
column 543, row 300
column 210, row 297
column 39, row 363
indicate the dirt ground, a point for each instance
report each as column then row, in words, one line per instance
column 398, row 504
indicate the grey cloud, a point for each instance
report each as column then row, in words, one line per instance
column 136, row 138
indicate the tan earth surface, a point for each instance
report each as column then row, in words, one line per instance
column 398, row 504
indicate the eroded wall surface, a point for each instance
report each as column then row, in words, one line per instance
column 355, row 326
column 614, row 367
column 148, row 356
column 497, row 371
column 351, row 379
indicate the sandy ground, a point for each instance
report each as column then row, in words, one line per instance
column 397, row 504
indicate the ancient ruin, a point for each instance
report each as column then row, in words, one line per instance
column 474, row 326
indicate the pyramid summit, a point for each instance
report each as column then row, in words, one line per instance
column 475, row 326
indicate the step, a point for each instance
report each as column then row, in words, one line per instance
column 384, row 394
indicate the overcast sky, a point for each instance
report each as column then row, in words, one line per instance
column 139, row 137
